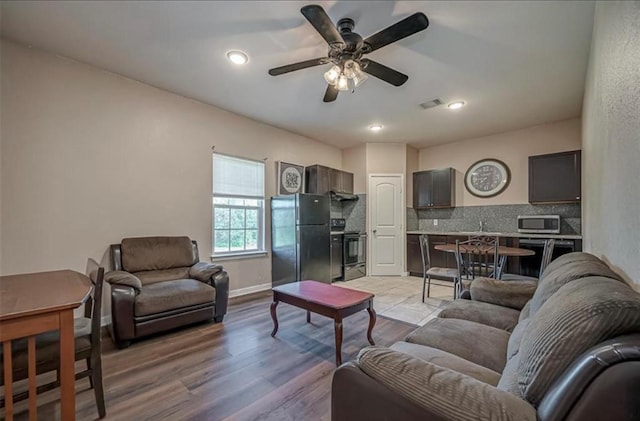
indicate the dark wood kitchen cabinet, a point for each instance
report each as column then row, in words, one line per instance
column 555, row 178
column 434, row 188
column 322, row 180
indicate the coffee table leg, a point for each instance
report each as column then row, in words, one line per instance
column 338, row 332
column 308, row 316
column 372, row 322
column 274, row 317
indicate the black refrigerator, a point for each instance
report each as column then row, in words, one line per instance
column 300, row 238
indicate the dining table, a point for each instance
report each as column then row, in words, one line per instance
column 35, row 303
column 503, row 253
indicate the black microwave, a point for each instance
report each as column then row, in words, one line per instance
column 539, row 224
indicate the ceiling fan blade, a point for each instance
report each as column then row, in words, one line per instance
column 331, row 94
column 298, row 66
column 408, row 26
column 322, row 22
column 383, row 72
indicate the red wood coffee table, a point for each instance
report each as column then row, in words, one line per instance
column 327, row 300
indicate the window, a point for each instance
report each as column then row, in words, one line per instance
column 238, row 205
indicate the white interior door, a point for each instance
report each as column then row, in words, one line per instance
column 386, row 207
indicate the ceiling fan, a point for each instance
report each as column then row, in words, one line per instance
column 346, row 50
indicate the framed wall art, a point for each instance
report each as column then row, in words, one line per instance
column 290, row 178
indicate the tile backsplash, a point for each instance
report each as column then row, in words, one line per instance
column 495, row 218
column 353, row 211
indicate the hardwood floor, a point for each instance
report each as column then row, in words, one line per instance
column 228, row 371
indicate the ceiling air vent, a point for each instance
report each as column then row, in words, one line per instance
column 431, row 104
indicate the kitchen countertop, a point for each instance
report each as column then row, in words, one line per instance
column 501, row 234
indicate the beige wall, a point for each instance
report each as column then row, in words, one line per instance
column 355, row 160
column 513, row 148
column 89, row 157
column 386, row 158
column 411, row 167
column 611, row 142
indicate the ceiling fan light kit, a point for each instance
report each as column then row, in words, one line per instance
column 346, row 50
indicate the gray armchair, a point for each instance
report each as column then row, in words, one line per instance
column 158, row 284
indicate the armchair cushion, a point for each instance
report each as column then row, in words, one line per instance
column 172, row 295
column 504, row 318
column 448, row 394
column 577, row 317
column 203, row 271
column 480, row 344
column 149, row 277
column 121, row 277
column 156, row 253
column 513, row 294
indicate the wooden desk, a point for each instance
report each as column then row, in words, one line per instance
column 35, row 303
column 327, row 300
column 503, row 253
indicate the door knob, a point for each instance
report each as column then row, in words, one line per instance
column 374, row 231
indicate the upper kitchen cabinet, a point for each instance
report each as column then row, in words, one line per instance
column 555, row 178
column 322, row 180
column 434, row 189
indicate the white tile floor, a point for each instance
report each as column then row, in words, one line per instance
column 400, row 297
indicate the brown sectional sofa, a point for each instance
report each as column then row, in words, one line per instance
column 158, row 284
column 572, row 352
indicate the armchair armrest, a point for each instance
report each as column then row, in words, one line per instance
column 120, row 277
column 221, row 283
column 513, row 294
column 442, row 393
column 203, row 271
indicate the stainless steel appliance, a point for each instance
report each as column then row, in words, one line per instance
column 530, row 265
column 337, row 239
column 300, row 239
column 354, row 255
column 539, row 224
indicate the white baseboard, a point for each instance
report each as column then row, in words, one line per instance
column 249, row 290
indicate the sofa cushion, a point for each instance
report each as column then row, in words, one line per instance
column 516, row 338
column 552, row 281
column 577, row 256
column 509, row 379
column 525, row 312
column 203, row 271
column 487, row 314
column 478, row 343
column 156, row 253
column 149, row 277
column 444, row 393
column 513, row 294
column 580, row 315
column 448, row 360
column 172, row 295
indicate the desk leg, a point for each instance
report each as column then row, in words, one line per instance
column 372, row 322
column 308, row 316
column 337, row 327
column 67, row 367
column 274, row 317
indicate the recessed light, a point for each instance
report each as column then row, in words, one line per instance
column 237, row 57
column 376, row 127
column 456, row 105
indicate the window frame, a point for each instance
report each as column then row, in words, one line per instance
column 260, row 207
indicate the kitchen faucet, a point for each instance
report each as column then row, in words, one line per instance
column 481, row 225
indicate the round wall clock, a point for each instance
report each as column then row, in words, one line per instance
column 487, row 178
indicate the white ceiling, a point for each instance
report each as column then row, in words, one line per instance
column 516, row 64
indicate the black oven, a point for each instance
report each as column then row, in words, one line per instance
column 354, row 255
column 530, row 265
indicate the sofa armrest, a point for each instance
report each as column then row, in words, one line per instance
column 123, row 299
column 120, row 277
column 445, row 393
column 221, row 283
column 203, row 271
column 513, row 294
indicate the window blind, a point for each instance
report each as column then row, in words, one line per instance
column 237, row 177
